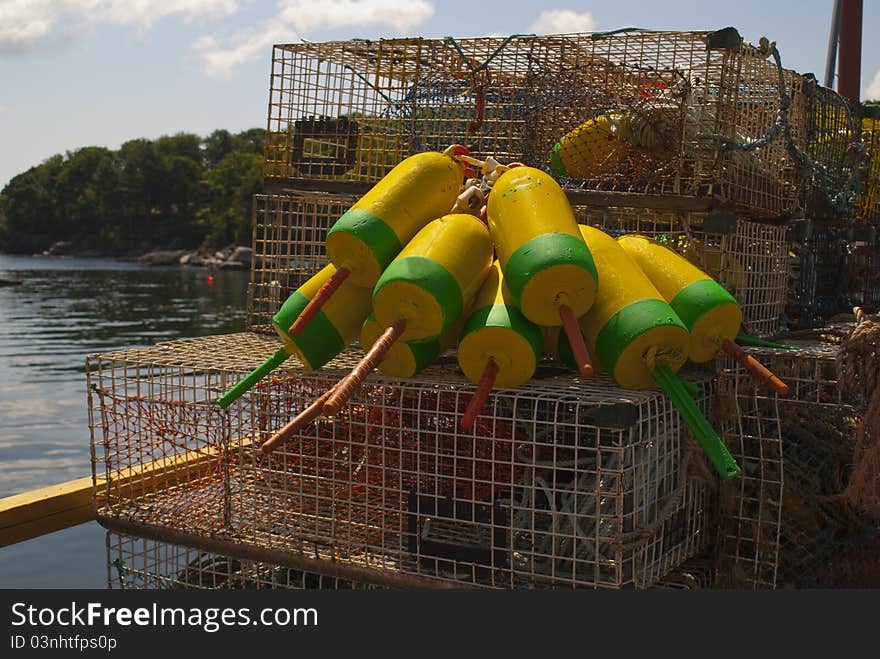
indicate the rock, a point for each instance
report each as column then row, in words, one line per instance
column 193, row 258
column 232, row 265
column 60, row 248
column 162, row 257
column 242, row 255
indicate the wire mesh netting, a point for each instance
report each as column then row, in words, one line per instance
column 789, row 518
column 653, row 111
column 868, row 202
column 819, row 285
column 289, row 236
column 561, row 482
column 138, row 563
column 834, row 146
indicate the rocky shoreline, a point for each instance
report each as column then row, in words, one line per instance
column 231, row 257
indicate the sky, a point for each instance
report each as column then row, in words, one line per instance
column 77, row 73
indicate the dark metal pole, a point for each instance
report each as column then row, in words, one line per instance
column 850, row 50
column 831, row 59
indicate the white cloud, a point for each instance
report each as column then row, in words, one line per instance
column 297, row 17
column 561, row 21
column 873, row 90
column 306, row 15
column 25, row 24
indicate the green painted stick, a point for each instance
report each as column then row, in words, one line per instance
column 749, row 340
column 253, row 377
column 693, row 389
column 718, row 454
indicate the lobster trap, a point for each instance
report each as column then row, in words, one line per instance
column 682, row 111
column 141, row 563
column 819, row 286
column 868, row 201
column 750, row 259
column 138, row 563
column 560, row 483
column 790, row 516
column 289, row 238
column 833, row 161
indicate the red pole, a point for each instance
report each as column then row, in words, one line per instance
column 849, row 54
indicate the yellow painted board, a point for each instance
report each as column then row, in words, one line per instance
column 55, row 507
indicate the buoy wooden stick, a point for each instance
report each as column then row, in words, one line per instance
column 314, row 306
column 708, row 439
column 301, row 420
column 253, row 377
column 755, row 368
column 484, row 388
column 346, row 388
column 576, row 340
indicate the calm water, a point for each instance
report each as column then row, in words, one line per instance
column 64, row 310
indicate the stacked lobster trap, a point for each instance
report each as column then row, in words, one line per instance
column 562, row 483
column 709, row 146
column 805, row 512
column 689, row 109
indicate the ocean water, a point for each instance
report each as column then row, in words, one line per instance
column 63, row 310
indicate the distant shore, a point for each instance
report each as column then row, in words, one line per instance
column 231, row 257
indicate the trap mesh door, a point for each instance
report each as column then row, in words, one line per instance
column 563, row 482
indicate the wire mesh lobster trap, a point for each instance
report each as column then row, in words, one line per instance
column 819, row 286
column 786, row 520
column 561, row 483
column 289, row 236
column 141, row 563
column 680, row 112
column 834, row 153
column 144, row 563
column 868, row 201
column 750, row 259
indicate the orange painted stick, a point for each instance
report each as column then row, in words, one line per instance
column 321, row 296
column 576, row 340
column 754, row 367
column 484, row 388
column 302, row 419
column 350, row 383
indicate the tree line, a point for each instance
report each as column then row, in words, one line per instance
column 177, row 191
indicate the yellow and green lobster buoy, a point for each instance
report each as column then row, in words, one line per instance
column 547, row 267
column 499, row 346
column 334, row 326
column 424, row 292
column 589, row 150
column 711, row 314
column 372, row 232
column 640, row 340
